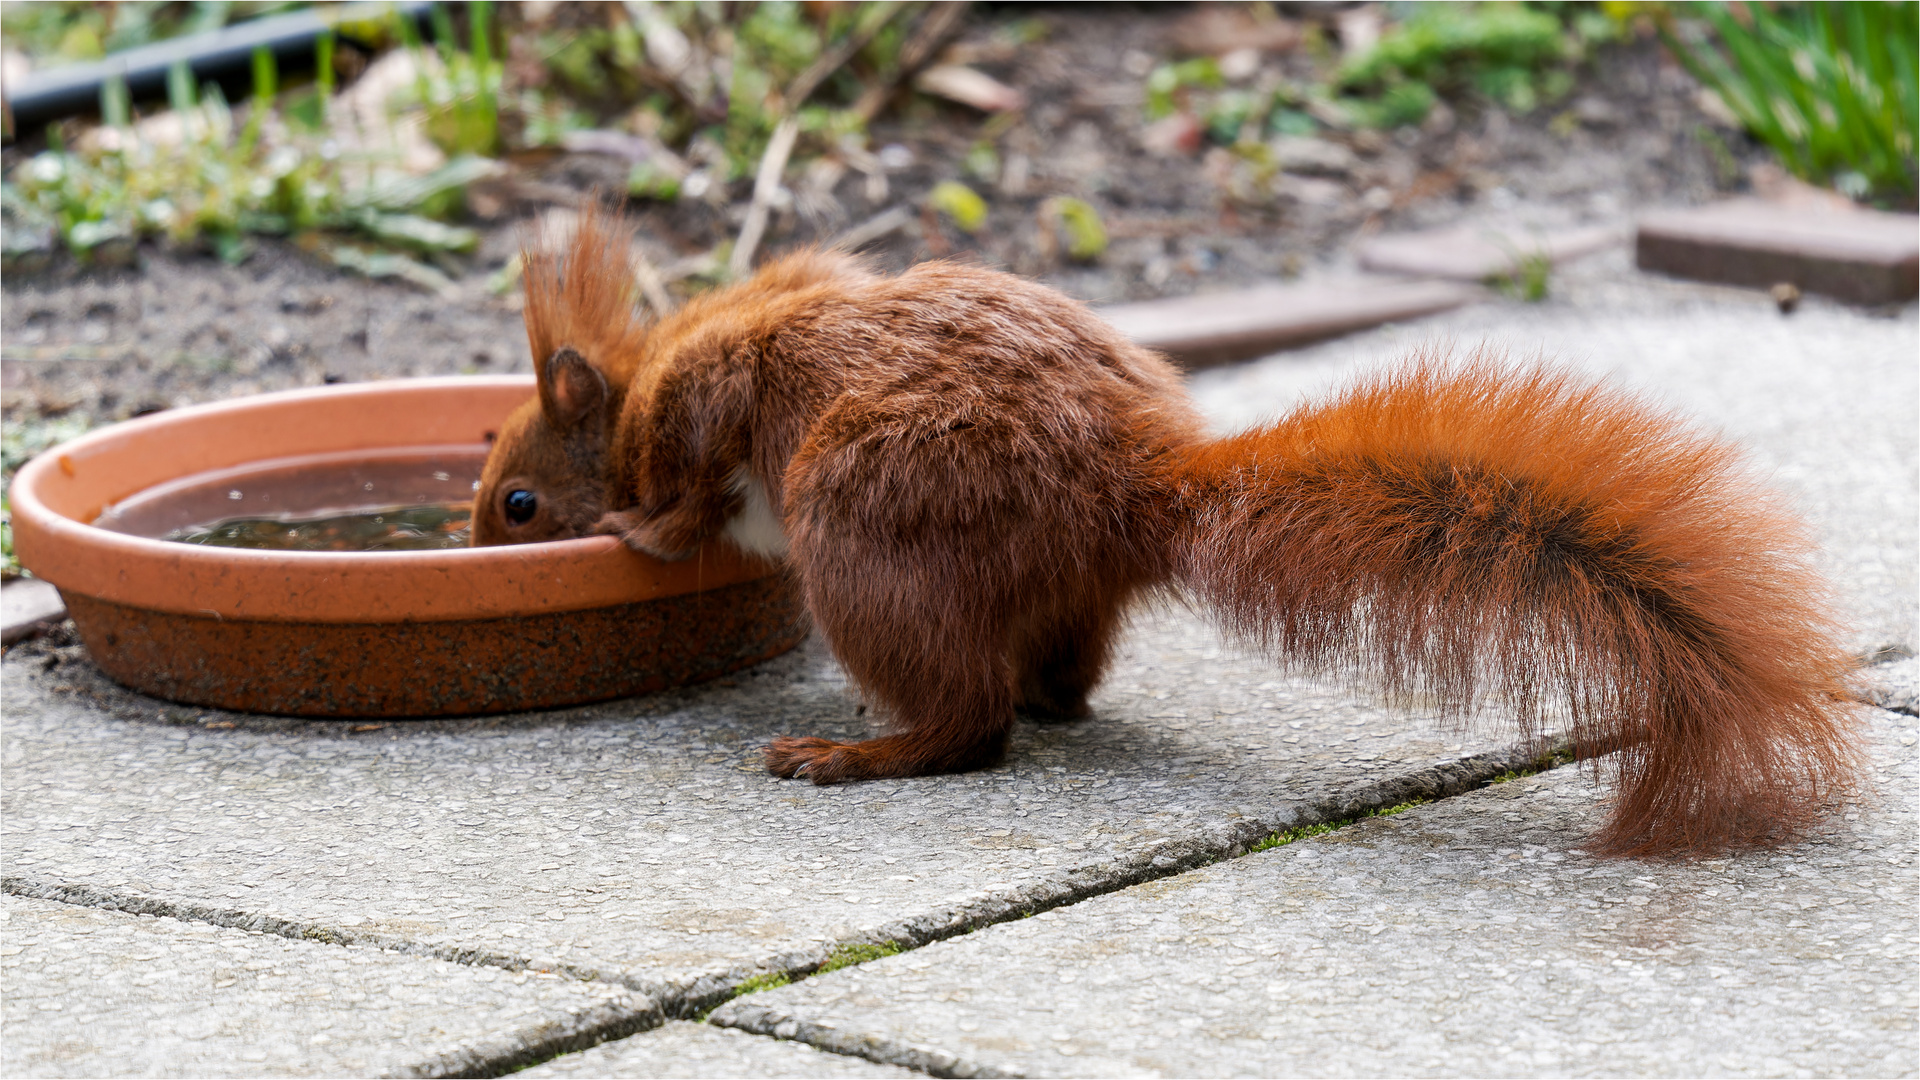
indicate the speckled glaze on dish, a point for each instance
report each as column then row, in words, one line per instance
column 424, row 633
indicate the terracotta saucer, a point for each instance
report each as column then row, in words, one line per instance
column 415, row 633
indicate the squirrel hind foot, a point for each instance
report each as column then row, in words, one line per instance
column 825, row 761
column 792, row 758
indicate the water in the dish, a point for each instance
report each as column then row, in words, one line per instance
column 411, row 499
column 394, row 528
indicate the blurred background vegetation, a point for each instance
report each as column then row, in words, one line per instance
column 695, row 92
column 1209, row 142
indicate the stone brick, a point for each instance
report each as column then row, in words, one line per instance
column 1860, row 256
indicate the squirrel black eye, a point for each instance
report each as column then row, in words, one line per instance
column 520, row 506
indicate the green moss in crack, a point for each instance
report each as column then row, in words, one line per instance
column 844, row 956
column 766, row 980
column 1288, row 836
column 1552, row 759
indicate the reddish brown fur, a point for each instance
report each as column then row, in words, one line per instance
column 1529, row 535
column 976, row 478
column 577, row 307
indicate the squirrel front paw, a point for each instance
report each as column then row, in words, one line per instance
column 642, row 535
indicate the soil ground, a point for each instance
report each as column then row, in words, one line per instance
column 86, row 345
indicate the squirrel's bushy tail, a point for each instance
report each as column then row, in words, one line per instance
column 1481, row 530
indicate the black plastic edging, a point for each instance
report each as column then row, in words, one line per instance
column 224, row 56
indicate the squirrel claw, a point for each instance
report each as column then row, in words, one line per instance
column 618, row 523
column 807, row 758
column 632, row 530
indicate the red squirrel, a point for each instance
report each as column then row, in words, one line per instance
column 973, row 479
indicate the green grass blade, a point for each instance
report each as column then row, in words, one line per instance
column 116, row 108
column 266, row 77
column 180, row 87
column 323, row 64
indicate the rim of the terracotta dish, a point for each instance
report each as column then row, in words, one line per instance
column 329, row 587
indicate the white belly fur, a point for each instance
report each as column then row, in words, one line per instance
column 755, row 529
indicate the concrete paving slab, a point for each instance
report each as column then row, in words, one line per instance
column 1826, row 400
column 702, row 1050
column 102, row 993
column 1479, row 252
column 643, row 841
column 1470, row 937
column 1215, row 328
column 1857, row 255
column 27, row 607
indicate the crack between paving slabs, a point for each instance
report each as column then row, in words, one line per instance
column 759, row 1020
column 700, row 994
column 583, row 1030
column 1438, row 781
column 1875, row 696
column 509, row 1053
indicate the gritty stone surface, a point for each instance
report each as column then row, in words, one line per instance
column 102, row 993
column 702, row 1050
column 1470, row 937
column 644, row 840
column 1826, row 401
column 1893, row 686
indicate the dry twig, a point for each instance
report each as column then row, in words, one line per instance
column 652, row 285
column 875, row 227
column 765, row 184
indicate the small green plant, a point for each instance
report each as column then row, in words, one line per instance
column 1510, row 54
column 1169, row 86
column 1516, row 56
column 1080, row 224
column 461, row 92
column 965, row 208
column 845, row 956
column 1831, row 88
column 215, row 178
column 1530, row 279
column 1399, row 105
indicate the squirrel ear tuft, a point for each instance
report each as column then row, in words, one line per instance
column 570, row 388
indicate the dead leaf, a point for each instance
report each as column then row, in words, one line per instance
column 969, row 86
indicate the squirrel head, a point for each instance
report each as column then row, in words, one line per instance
column 546, row 476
